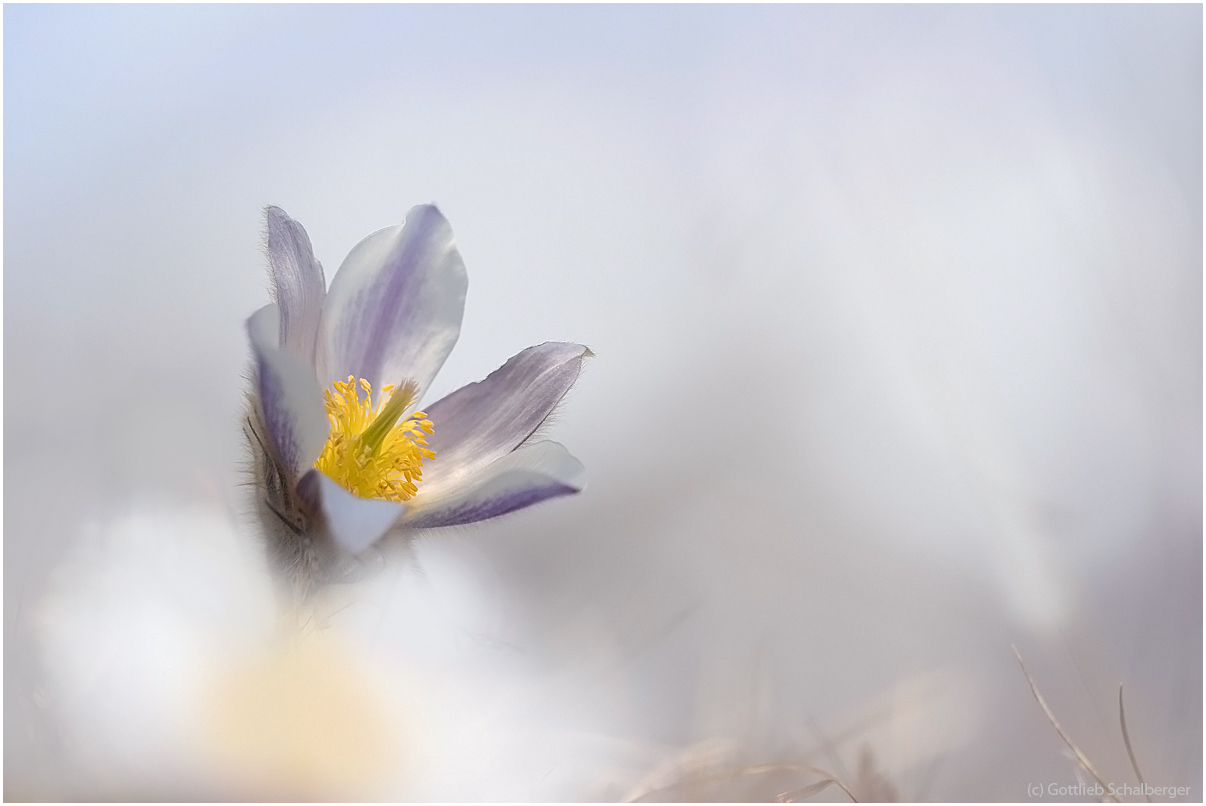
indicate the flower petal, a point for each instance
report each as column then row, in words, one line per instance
column 353, row 523
column 528, row 475
column 298, row 281
column 395, row 306
column 289, row 397
column 484, row 421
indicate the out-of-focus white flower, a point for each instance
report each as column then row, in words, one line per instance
column 338, row 471
column 169, row 676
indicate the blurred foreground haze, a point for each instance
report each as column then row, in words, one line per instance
column 898, row 321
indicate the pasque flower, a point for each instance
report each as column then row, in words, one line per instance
column 343, row 456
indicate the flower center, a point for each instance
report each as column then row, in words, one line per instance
column 369, row 453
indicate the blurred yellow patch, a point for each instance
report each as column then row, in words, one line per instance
column 304, row 721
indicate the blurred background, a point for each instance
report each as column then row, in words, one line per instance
column 898, row 323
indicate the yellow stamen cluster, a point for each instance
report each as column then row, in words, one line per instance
column 369, row 453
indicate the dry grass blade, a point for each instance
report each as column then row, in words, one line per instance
column 805, row 792
column 761, row 769
column 828, row 777
column 1080, row 757
column 1126, row 739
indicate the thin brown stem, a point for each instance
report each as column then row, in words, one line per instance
column 1126, row 739
column 1080, row 757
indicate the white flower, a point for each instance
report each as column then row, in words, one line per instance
column 342, row 455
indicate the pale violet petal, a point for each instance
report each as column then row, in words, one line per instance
column 264, row 327
column 289, row 397
column 528, row 475
column 395, row 306
column 354, row 523
column 297, row 277
column 484, row 421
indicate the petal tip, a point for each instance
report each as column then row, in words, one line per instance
column 263, row 327
column 574, row 472
column 276, row 217
column 429, row 209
